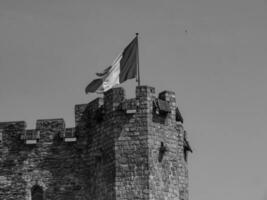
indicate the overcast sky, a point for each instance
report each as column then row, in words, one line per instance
column 212, row 53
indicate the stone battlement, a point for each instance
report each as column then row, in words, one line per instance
column 100, row 109
column 119, row 149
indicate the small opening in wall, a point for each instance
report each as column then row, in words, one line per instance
column 162, row 151
column 37, row 193
column 182, row 194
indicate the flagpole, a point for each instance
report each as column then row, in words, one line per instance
column 138, row 68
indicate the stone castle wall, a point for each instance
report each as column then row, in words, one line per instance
column 119, row 149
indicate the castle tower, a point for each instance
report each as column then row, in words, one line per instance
column 141, row 144
column 120, row 149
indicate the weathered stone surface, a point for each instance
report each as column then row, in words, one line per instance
column 116, row 154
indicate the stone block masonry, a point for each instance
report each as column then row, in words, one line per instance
column 119, row 149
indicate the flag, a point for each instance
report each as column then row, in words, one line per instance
column 124, row 67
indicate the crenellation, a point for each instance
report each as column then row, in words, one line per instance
column 49, row 129
column 129, row 105
column 11, row 132
column 79, row 110
column 31, row 136
column 113, row 98
column 119, row 149
column 50, row 124
column 169, row 97
column 95, row 105
column 13, row 124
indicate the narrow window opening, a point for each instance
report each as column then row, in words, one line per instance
column 37, row 193
column 162, row 151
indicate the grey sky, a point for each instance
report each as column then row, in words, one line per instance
column 212, row 53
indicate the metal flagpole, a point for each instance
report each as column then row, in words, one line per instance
column 138, row 68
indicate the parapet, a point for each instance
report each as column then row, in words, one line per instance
column 161, row 109
column 10, row 132
column 50, row 124
column 13, row 125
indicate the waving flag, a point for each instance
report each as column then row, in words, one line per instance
column 124, row 67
